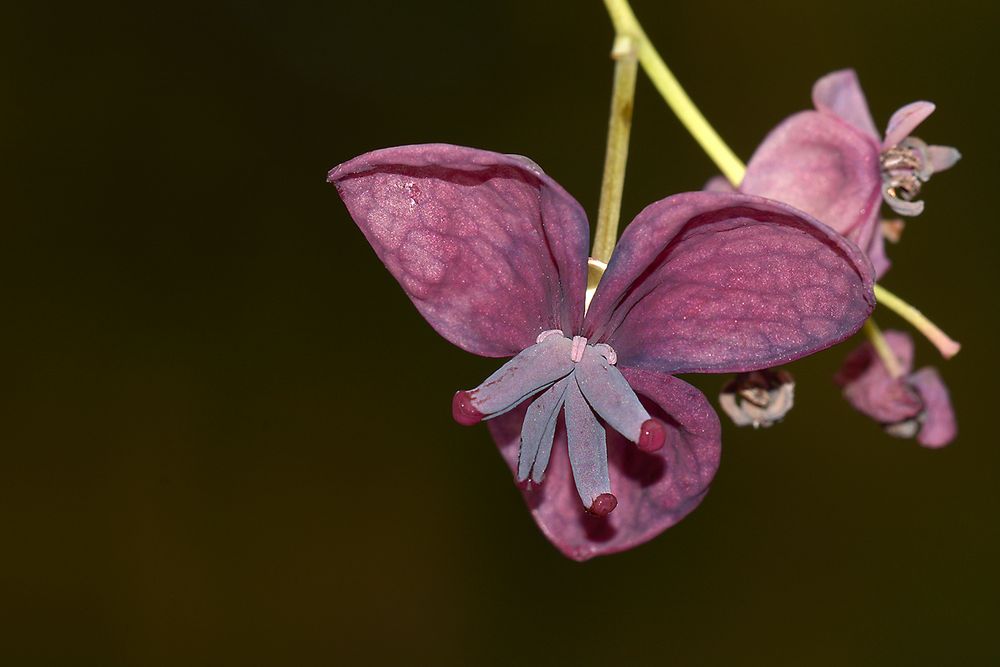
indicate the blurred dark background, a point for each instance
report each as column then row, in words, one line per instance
column 226, row 431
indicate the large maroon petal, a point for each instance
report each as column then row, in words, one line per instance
column 654, row 491
column 840, row 94
column 824, row 167
column 489, row 249
column 714, row 282
column 870, row 388
column 939, row 427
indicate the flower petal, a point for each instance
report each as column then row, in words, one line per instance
column 610, row 395
column 587, row 447
column 654, row 490
column 489, row 249
column 530, row 371
column 939, row 427
column 713, row 282
column 821, row 166
column 905, row 120
column 869, row 387
column 942, row 157
column 840, row 93
column 538, row 431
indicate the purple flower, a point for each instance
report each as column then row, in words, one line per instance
column 610, row 449
column 912, row 405
column 832, row 163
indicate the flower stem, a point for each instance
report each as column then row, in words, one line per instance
column 882, row 348
column 725, row 159
column 619, row 128
column 945, row 345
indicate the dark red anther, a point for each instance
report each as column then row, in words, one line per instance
column 652, row 435
column 463, row 411
column 603, row 504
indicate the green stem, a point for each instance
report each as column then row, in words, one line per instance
column 945, row 345
column 626, row 23
column 616, row 156
column 882, row 348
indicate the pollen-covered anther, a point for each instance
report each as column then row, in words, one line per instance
column 652, row 435
column 905, row 167
column 603, row 504
column 463, row 411
column 905, row 157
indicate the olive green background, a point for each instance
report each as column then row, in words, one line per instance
column 226, row 433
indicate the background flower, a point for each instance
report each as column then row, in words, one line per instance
column 833, row 163
column 913, row 405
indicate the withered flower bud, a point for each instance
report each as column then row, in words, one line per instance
column 760, row 398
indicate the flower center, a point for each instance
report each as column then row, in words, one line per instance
column 576, row 379
column 905, row 167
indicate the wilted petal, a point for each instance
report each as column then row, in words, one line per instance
column 712, row 282
column 939, row 425
column 840, row 93
column 821, row 166
column 489, row 249
column 654, row 490
column 905, row 120
column 870, row 388
column 760, row 398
